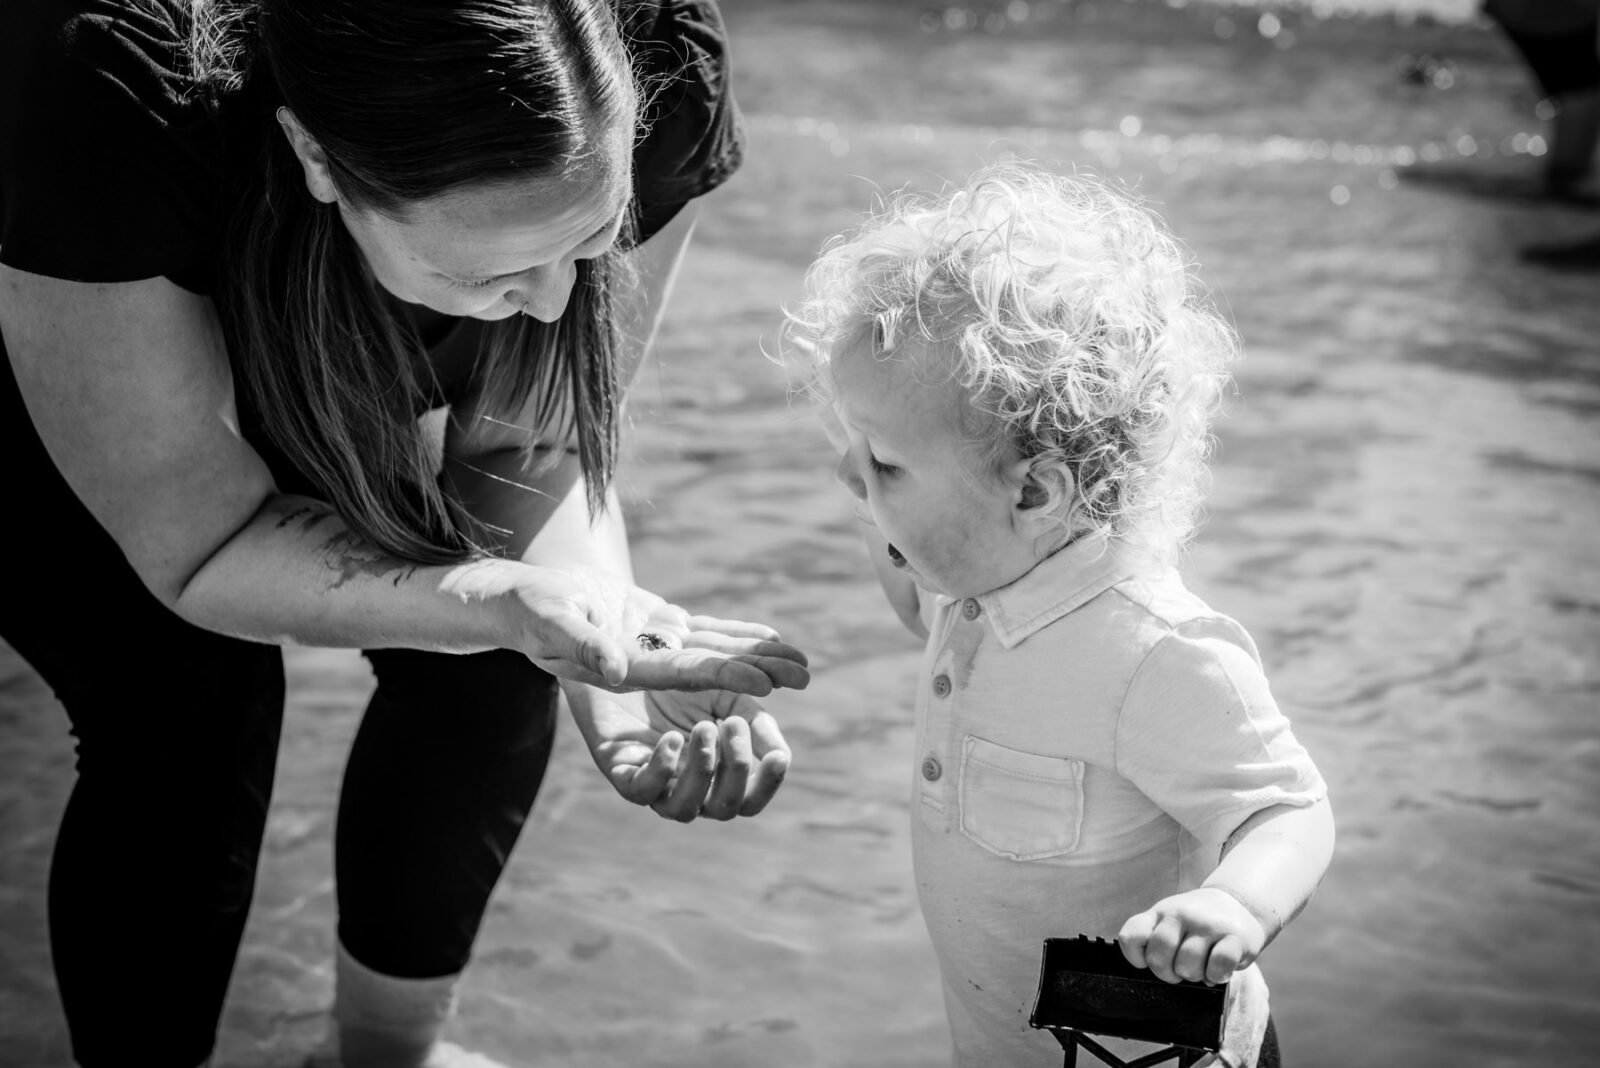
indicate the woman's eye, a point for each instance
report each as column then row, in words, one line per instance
column 478, row 284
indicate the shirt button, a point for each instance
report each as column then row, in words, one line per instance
column 931, row 769
column 970, row 608
column 941, row 686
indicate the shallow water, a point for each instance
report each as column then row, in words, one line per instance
column 1403, row 516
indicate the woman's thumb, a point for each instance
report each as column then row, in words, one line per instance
column 569, row 636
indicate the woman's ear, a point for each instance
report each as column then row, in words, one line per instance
column 319, row 180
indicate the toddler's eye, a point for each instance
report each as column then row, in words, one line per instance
column 880, row 467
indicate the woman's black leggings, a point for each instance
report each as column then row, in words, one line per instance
column 177, row 735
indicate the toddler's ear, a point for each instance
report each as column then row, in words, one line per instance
column 1044, row 489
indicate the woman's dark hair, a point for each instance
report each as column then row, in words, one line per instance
column 409, row 99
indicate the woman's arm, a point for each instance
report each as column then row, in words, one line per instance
column 128, row 387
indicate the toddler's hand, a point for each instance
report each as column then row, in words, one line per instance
column 1204, row 935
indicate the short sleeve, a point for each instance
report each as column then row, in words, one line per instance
column 693, row 136
column 1201, row 735
column 108, row 160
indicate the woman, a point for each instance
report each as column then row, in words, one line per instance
column 246, row 246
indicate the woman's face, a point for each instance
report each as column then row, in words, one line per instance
column 491, row 251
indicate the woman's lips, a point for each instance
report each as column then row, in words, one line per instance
column 896, row 558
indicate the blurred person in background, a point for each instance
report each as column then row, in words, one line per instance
column 1560, row 42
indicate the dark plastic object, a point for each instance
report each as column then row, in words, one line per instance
column 1087, row 985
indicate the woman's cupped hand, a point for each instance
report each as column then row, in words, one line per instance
column 590, row 626
column 711, row 754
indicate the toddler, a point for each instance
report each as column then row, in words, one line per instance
column 1020, row 377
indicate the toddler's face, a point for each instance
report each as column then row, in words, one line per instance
column 953, row 526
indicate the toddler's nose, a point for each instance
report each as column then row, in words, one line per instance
column 845, row 472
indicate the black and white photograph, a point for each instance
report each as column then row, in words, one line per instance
column 800, row 533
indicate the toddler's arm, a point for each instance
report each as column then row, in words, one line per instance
column 897, row 585
column 1269, row 869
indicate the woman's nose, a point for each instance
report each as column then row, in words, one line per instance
column 545, row 292
column 845, row 472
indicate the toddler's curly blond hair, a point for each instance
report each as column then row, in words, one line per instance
column 1075, row 329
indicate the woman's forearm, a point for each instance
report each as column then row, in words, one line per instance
column 296, row 574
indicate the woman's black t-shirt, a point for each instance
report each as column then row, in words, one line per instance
column 116, row 166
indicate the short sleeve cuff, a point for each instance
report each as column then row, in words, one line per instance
column 1201, row 735
column 693, row 136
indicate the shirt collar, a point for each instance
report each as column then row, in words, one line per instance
column 1056, row 585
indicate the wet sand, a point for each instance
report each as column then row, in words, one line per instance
column 1404, row 512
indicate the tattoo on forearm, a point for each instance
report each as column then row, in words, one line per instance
column 308, row 516
column 345, row 551
column 354, row 557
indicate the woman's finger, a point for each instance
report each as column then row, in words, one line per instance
column 736, row 645
column 662, row 615
column 783, row 672
column 696, row 767
column 695, row 669
column 604, row 655
column 769, row 747
column 569, row 647
column 649, row 781
column 765, row 737
column 734, row 763
column 733, row 628
column 765, row 782
column 566, row 644
column 784, row 664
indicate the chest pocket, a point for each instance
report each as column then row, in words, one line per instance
column 1021, row 806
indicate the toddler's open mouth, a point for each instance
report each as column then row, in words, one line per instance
column 896, row 558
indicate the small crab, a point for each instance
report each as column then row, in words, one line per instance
column 650, row 642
